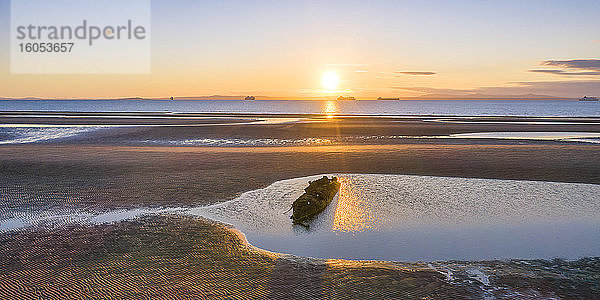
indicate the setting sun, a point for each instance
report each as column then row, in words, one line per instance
column 330, row 80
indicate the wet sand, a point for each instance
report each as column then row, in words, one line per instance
column 308, row 125
column 173, row 256
column 117, row 176
column 166, row 256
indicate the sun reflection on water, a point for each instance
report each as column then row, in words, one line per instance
column 350, row 215
column 329, row 109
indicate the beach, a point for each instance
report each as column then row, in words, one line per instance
column 175, row 163
column 299, row 150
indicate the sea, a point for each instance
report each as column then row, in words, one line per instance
column 530, row 108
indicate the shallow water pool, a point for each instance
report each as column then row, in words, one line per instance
column 413, row 218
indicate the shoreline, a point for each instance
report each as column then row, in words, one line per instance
column 175, row 115
column 219, row 251
column 289, row 130
column 243, row 239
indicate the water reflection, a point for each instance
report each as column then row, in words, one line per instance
column 350, row 215
column 329, row 108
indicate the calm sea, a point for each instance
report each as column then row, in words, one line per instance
column 557, row 108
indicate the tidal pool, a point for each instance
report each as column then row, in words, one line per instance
column 423, row 218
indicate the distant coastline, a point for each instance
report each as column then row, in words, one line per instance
column 332, row 98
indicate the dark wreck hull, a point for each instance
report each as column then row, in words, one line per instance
column 315, row 199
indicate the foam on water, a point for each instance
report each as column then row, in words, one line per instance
column 57, row 218
column 585, row 137
column 33, row 134
column 221, row 142
column 409, row 218
column 579, row 137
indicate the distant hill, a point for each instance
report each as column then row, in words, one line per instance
column 229, row 97
column 24, row 98
column 487, row 97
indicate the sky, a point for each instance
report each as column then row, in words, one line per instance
column 366, row 49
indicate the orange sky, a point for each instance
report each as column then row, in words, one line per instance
column 388, row 49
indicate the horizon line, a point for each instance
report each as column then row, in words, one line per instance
column 326, row 98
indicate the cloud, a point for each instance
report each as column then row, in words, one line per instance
column 579, row 64
column 563, row 72
column 547, row 71
column 585, row 67
column 415, row 73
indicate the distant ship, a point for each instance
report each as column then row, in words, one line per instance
column 345, row 98
column 384, row 98
column 586, row 98
column 250, row 98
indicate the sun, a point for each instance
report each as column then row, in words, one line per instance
column 330, row 80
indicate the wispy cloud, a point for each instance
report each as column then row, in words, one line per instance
column 415, row 73
column 547, row 71
column 580, row 64
column 585, row 67
column 563, row 72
